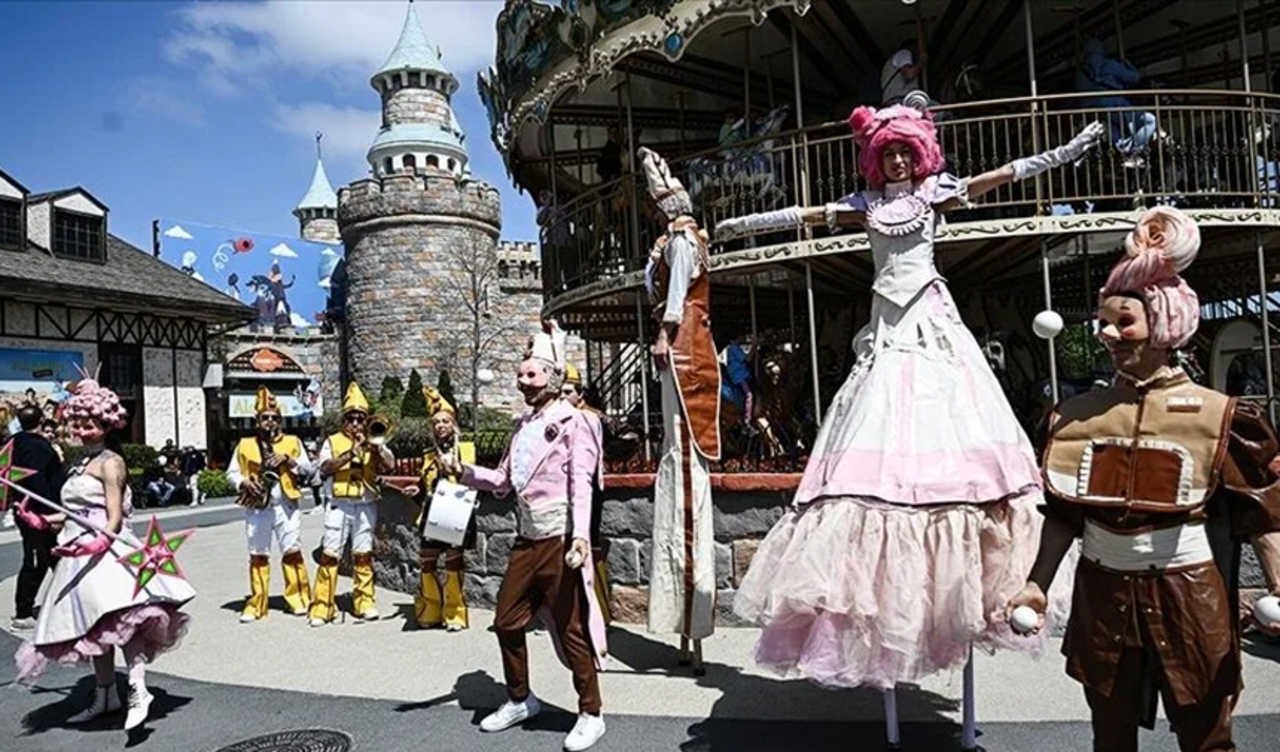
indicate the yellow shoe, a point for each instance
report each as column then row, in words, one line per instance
column 255, row 606
column 428, row 605
column 322, row 608
column 455, row 602
column 362, row 592
column 297, row 589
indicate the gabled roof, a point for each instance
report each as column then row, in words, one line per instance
column 131, row 279
column 50, row 196
column 412, row 51
column 9, row 179
column 320, row 195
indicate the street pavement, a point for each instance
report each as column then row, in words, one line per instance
column 384, row 686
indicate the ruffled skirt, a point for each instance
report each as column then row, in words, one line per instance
column 855, row 592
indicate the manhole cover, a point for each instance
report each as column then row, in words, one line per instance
column 304, row 740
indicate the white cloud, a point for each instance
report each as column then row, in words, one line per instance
column 177, row 231
column 233, row 44
column 283, row 251
column 348, row 131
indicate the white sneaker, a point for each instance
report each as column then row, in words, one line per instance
column 370, row 615
column 105, row 700
column 139, row 704
column 586, row 732
column 23, row 624
column 316, row 621
column 511, row 713
column 247, row 618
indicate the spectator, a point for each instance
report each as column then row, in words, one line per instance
column 159, row 489
column 192, row 463
column 1131, row 131
column 34, row 452
column 900, row 76
column 49, row 430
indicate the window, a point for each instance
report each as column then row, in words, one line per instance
column 433, row 160
column 386, row 166
column 410, row 162
column 11, row 225
column 78, row 236
column 122, row 373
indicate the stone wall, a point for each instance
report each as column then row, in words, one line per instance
column 741, row 520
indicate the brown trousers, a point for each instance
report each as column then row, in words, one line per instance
column 537, row 576
column 1202, row 727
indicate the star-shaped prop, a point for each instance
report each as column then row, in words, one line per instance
column 156, row 555
column 10, row 473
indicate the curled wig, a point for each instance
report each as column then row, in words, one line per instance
column 95, row 402
column 1163, row 244
column 873, row 130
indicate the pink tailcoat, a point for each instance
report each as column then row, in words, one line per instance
column 568, row 460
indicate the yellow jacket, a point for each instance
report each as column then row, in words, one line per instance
column 249, row 457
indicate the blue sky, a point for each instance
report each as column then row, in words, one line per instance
column 207, row 111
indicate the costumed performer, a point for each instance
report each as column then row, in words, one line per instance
column 433, row 607
column 1162, row 479
column 355, row 466
column 682, row 576
column 915, row 519
column 549, row 466
column 267, row 470
column 93, row 603
column 572, row 392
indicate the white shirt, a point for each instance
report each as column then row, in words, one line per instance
column 680, row 255
column 524, row 450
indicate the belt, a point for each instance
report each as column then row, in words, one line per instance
column 1163, row 548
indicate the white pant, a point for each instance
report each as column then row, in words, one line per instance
column 350, row 518
column 279, row 520
column 193, row 484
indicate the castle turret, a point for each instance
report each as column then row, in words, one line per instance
column 419, row 129
column 317, row 212
column 417, row 229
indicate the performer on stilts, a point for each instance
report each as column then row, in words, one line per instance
column 94, row 602
column 355, row 466
column 915, row 519
column 433, row 607
column 267, row 470
column 571, row 392
column 553, row 456
column 682, row 576
column 1162, row 479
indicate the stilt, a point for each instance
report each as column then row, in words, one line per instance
column 969, row 733
column 891, row 718
column 698, row 668
column 684, row 651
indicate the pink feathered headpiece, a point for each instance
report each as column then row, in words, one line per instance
column 1164, row 243
column 873, row 130
column 96, row 402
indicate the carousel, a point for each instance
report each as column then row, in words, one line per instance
column 747, row 99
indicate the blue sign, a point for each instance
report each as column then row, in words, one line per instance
column 42, row 371
column 286, row 279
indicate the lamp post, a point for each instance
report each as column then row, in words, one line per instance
column 485, row 377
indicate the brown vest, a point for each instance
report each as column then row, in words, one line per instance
column 1152, row 448
column 693, row 353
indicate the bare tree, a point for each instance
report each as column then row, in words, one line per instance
column 492, row 318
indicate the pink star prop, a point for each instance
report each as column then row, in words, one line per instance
column 156, row 555
column 10, row 473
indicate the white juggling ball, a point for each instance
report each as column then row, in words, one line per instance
column 1047, row 324
column 1024, row 619
column 1267, row 609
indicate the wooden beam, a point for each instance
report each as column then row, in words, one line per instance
column 808, row 50
column 942, row 30
column 642, row 117
column 997, row 29
column 864, row 41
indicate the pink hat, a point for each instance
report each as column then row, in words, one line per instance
column 96, row 403
column 873, row 130
column 1164, row 243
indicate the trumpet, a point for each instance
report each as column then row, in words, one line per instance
column 379, row 430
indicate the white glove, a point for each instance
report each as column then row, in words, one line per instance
column 1070, row 152
column 753, row 223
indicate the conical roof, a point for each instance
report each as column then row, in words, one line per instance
column 413, row 51
column 320, row 195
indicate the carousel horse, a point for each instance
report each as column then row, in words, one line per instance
column 741, row 168
column 779, row 428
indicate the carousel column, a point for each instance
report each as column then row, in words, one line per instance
column 644, row 374
column 1266, row 326
column 635, row 248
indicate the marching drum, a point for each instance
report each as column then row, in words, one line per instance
column 452, row 506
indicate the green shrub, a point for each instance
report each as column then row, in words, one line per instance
column 72, row 454
column 214, row 484
column 392, row 389
column 444, row 385
column 139, row 456
column 415, row 403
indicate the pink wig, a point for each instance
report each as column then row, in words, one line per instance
column 873, row 130
column 1164, row 243
column 96, row 403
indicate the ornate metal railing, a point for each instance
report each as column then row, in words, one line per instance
column 1195, row 148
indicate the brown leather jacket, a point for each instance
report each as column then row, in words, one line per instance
column 1186, row 617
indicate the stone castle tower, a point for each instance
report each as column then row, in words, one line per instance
column 415, row 232
column 317, row 212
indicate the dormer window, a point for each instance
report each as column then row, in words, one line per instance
column 11, row 234
column 78, row 236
